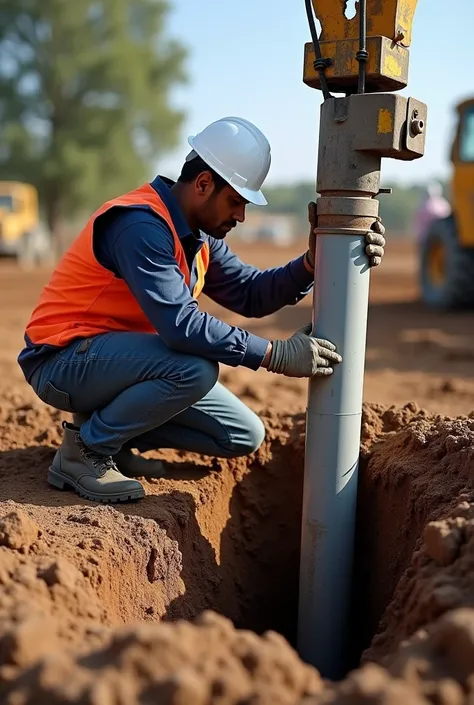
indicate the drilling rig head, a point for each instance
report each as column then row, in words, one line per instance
column 389, row 31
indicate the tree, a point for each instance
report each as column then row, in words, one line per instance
column 84, row 97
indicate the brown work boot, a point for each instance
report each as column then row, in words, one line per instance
column 90, row 474
column 127, row 462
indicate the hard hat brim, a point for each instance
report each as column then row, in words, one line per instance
column 255, row 197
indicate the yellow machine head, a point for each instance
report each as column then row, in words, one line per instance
column 389, row 31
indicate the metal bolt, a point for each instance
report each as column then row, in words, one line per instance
column 417, row 127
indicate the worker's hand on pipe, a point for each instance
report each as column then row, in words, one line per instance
column 303, row 356
column 375, row 240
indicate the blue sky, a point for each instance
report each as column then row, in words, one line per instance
column 246, row 59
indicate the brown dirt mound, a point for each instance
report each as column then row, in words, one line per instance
column 434, row 668
column 439, row 660
column 440, row 578
column 209, row 662
column 238, row 541
column 224, row 536
column 95, row 568
column 416, row 467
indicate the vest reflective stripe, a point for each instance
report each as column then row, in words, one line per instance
column 202, row 264
column 83, row 298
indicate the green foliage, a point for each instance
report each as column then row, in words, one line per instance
column 84, row 97
column 397, row 209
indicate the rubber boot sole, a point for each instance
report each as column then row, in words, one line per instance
column 61, row 482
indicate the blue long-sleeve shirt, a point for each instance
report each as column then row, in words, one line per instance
column 139, row 248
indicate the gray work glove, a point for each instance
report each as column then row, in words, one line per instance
column 375, row 240
column 303, row 356
column 375, row 243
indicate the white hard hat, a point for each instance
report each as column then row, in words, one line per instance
column 236, row 150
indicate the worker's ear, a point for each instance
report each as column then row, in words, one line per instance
column 204, row 183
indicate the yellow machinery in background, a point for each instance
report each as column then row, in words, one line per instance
column 447, row 248
column 21, row 233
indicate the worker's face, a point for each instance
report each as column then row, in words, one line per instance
column 219, row 210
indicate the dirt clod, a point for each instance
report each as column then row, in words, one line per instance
column 17, row 530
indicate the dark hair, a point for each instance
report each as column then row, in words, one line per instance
column 196, row 166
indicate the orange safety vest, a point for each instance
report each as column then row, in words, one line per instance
column 83, row 298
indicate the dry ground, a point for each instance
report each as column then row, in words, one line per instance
column 413, row 353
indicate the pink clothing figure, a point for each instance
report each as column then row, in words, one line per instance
column 433, row 207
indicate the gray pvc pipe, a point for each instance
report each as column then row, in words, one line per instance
column 332, row 453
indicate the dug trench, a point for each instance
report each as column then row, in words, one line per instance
column 223, row 535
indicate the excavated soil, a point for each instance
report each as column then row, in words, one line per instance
column 190, row 595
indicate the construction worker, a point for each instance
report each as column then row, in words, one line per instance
column 433, row 206
column 137, row 269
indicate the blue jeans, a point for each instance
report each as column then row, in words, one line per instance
column 143, row 395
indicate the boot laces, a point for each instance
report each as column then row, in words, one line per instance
column 102, row 463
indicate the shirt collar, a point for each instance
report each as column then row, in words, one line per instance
column 162, row 186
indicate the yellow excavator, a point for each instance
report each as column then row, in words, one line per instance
column 22, row 234
column 447, row 248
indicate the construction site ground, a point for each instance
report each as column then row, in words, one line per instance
column 131, row 604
